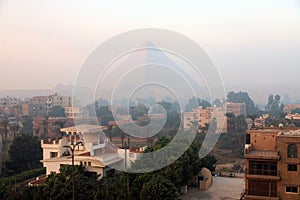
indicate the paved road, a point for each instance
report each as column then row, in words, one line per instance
column 223, row 188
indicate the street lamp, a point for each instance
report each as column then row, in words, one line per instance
column 72, row 148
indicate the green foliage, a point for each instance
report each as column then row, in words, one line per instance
column 233, row 142
column 27, row 126
column 159, row 188
column 195, row 102
column 59, row 186
column 236, row 124
column 161, row 184
column 105, row 114
column 57, row 111
column 294, row 111
column 138, row 111
column 274, row 108
column 7, row 184
column 25, row 153
column 23, row 176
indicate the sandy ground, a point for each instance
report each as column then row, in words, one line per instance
column 223, row 188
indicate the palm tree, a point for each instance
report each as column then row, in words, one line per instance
column 15, row 127
column 5, row 124
column 37, row 130
column 44, row 123
column 253, row 117
column 59, row 123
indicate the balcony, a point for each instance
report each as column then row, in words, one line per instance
column 263, row 195
column 261, row 154
column 256, row 197
column 263, row 174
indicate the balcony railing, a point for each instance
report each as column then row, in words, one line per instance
column 267, row 195
column 263, row 172
column 261, row 154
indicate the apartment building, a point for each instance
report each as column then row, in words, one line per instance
column 272, row 164
column 202, row 116
column 236, row 108
column 76, row 112
column 44, row 104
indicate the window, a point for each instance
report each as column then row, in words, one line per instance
column 292, row 151
column 248, row 137
column 53, row 154
column 292, row 167
column 291, row 189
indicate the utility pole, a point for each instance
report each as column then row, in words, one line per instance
column 72, row 148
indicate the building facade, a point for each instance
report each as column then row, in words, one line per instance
column 200, row 117
column 272, row 163
column 94, row 152
column 236, row 108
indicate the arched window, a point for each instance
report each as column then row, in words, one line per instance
column 292, row 151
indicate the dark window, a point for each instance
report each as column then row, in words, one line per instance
column 53, row 154
column 292, row 167
column 291, row 189
column 248, row 139
column 292, row 151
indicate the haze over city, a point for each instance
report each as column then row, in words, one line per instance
column 254, row 44
column 148, row 100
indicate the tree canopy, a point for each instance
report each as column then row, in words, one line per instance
column 25, row 153
column 57, row 111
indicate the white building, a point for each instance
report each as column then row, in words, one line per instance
column 200, row 117
column 76, row 112
column 96, row 153
column 236, row 108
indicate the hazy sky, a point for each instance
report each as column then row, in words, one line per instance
column 43, row 43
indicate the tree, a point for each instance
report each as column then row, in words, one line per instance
column 105, row 114
column 59, row 186
column 159, row 188
column 15, row 127
column 195, row 102
column 138, row 111
column 25, row 153
column 218, row 103
column 57, row 111
column 4, row 124
column 44, row 124
column 27, row 126
column 274, row 106
column 253, row 117
column 59, row 123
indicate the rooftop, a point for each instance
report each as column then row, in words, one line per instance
column 290, row 133
column 83, row 128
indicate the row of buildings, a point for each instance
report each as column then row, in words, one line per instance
column 42, row 105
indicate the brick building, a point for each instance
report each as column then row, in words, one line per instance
column 272, row 160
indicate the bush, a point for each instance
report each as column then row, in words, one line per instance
column 23, row 176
